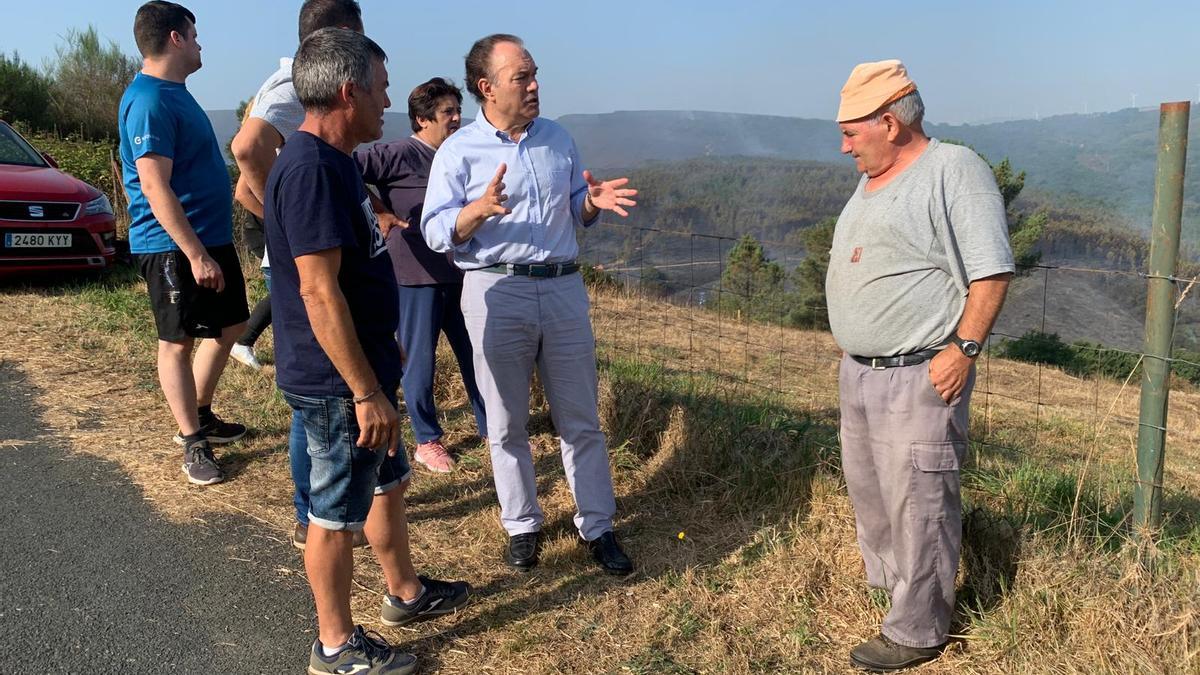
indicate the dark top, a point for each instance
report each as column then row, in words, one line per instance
column 400, row 171
column 316, row 201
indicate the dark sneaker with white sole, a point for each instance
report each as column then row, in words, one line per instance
column 217, row 431
column 365, row 653
column 440, row 598
column 200, row 465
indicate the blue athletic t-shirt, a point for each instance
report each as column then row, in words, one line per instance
column 316, row 201
column 161, row 117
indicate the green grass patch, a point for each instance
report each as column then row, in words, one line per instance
column 655, row 661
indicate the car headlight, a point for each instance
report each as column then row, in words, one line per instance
column 97, row 206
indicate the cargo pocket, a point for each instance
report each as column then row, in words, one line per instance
column 935, row 479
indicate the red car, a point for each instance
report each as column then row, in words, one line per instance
column 49, row 220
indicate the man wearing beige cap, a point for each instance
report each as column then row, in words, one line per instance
column 918, row 270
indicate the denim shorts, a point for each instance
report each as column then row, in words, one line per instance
column 344, row 477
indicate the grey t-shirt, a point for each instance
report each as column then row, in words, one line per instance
column 276, row 102
column 904, row 255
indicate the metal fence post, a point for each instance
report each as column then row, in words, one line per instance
column 1160, row 317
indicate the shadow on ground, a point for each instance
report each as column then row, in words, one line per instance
column 97, row 581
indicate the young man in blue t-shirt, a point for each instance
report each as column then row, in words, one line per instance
column 181, row 230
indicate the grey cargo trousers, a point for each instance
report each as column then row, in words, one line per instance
column 902, row 447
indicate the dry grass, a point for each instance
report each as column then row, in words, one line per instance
column 766, row 576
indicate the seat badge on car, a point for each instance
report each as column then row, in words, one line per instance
column 36, row 211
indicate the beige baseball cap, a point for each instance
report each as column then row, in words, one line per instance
column 872, row 86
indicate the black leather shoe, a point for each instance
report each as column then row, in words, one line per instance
column 522, row 551
column 607, row 552
column 881, row 655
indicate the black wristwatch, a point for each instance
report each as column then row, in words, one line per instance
column 969, row 348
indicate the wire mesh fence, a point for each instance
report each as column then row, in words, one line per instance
column 1060, row 416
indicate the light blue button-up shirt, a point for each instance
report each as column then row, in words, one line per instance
column 543, row 181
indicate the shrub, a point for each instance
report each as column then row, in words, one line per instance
column 89, row 161
column 88, row 80
column 1082, row 358
column 1038, row 347
column 596, row 277
column 24, row 93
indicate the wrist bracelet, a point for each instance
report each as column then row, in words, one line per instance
column 366, row 397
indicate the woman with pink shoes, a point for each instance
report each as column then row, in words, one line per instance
column 430, row 284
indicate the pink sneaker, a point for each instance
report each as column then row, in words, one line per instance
column 433, row 456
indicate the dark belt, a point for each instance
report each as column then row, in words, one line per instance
column 881, row 362
column 539, row 271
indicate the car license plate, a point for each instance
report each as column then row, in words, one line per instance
column 36, row 240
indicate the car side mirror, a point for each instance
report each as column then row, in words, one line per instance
column 49, row 160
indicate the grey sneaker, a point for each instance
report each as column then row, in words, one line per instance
column 439, row 598
column 366, row 653
column 200, row 465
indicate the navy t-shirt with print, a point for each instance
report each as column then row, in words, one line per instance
column 316, row 201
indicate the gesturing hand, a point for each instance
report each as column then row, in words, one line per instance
column 610, row 195
column 491, row 203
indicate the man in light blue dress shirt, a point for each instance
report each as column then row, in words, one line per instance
column 505, row 194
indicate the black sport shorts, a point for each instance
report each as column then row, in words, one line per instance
column 183, row 310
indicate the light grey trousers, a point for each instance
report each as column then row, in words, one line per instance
column 516, row 323
column 902, row 447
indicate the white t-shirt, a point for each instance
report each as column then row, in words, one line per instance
column 277, row 104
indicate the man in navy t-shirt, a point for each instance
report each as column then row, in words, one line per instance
column 181, row 230
column 273, row 118
column 335, row 309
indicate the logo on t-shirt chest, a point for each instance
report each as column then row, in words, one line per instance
column 378, row 244
column 856, row 254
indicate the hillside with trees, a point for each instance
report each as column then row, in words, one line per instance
column 751, row 236
column 1104, row 159
column 734, row 213
column 1101, row 159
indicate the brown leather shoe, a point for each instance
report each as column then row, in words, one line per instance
column 881, row 655
column 300, row 537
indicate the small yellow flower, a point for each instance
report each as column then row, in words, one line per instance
column 681, row 535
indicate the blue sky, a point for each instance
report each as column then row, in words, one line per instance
column 973, row 61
